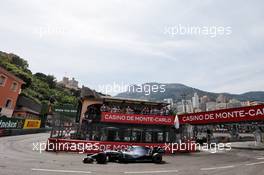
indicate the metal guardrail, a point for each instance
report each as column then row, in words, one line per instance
column 13, row 132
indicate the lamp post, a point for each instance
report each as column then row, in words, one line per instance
column 50, row 113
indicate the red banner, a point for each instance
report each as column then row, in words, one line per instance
column 137, row 119
column 251, row 113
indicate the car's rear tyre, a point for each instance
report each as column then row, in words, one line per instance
column 101, row 158
column 157, row 158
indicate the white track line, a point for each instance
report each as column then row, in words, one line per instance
column 215, row 168
column 61, row 171
column 256, row 163
column 260, row 158
column 151, row 172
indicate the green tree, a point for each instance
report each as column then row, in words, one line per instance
column 39, row 87
column 19, row 62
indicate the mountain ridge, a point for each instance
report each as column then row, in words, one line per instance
column 178, row 91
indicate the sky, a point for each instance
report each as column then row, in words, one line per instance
column 103, row 42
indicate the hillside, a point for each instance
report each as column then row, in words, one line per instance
column 39, row 87
column 177, row 91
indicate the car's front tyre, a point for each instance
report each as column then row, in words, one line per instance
column 157, row 158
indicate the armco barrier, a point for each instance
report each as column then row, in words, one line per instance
column 13, row 132
column 16, row 126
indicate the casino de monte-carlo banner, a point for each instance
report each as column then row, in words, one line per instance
column 250, row 113
column 137, row 119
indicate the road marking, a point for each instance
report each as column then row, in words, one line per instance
column 61, row 171
column 260, row 158
column 151, row 172
column 256, row 163
column 215, row 168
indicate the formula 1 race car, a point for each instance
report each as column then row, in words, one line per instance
column 132, row 154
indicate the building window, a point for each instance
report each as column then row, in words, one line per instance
column 148, row 136
column 2, row 80
column 166, row 136
column 14, row 86
column 160, row 136
column 8, row 103
column 126, row 135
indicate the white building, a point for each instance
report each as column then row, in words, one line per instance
column 221, row 106
column 221, row 99
column 195, row 101
column 234, row 103
column 169, row 101
column 185, row 106
column 210, row 106
column 188, row 107
column 180, row 108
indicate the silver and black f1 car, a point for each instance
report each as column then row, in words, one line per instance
column 132, row 154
